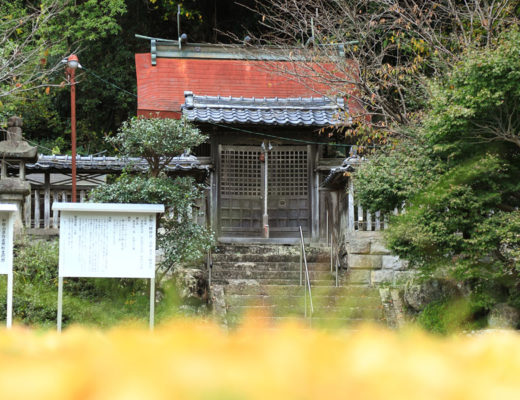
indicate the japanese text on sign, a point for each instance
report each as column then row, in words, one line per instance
column 107, row 245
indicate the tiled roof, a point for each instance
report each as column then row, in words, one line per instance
column 91, row 163
column 306, row 111
column 338, row 176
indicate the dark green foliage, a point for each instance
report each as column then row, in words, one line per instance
column 409, row 164
column 450, row 316
column 181, row 239
column 179, row 193
column 464, row 218
column 157, row 140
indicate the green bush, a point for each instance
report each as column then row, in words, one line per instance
column 36, row 261
column 450, row 315
column 90, row 301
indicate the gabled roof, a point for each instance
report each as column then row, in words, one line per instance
column 306, row 111
column 170, row 69
column 160, row 88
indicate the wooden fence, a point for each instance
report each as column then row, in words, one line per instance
column 38, row 211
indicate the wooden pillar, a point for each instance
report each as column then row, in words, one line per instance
column 313, row 155
column 55, row 199
column 47, row 201
column 36, row 208
column 350, row 205
column 27, row 210
column 21, row 170
column 214, row 188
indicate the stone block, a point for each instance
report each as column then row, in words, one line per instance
column 393, row 262
column 401, row 277
column 360, row 277
column 378, row 247
column 382, row 276
column 503, row 316
column 364, row 261
column 358, row 246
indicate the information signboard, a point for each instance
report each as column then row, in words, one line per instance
column 7, row 213
column 100, row 240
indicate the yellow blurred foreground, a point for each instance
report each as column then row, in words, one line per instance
column 196, row 360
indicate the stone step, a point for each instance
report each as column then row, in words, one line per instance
column 270, row 281
column 250, row 288
column 283, row 310
column 321, row 322
column 267, row 249
column 320, row 301
column 269, row 266
column 274, row 275
column 268, row 257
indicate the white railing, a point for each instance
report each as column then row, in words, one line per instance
column 360, row 219
column 307, row 283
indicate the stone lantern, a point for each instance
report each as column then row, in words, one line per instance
column 15, row 152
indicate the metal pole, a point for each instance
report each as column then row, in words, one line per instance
column 305, row 300
column 301, row 264
column 9, row 319
column 60, row 301
column 327, row 226
column 73, row 129
column 331, row 251
column 209, row 267
column 337, row 265
column 152, row 302
column 265, row 217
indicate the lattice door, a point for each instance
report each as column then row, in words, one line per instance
column 241, row 179
column 288, row 190
column 242, row 189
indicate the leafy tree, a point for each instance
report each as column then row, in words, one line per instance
column 103, row 34
column 158, row 141
column 35, row 35
column 463, row 219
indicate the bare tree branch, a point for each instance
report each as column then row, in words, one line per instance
column 390, row 47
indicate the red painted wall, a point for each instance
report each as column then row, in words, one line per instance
column 160, row 88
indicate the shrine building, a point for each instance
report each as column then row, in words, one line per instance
column 268, row 155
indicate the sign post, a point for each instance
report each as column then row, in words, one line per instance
column 7, row 215
column 99, row 240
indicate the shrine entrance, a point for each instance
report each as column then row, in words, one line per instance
column 242, row 188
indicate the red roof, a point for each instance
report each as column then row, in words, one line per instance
column 160, row 88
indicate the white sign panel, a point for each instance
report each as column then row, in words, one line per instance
column 99, row 240
column 107, row 241
column 6, row 241
column 6, row 253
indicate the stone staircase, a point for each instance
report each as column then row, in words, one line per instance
column 263, row 282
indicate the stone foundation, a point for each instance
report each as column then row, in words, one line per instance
column 370, row 262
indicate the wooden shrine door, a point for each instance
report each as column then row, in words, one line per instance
column 242, row 189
